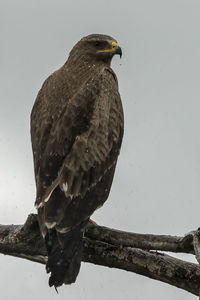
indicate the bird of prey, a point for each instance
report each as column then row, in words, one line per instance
column 76, row 134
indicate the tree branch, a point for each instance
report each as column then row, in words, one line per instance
column 142, row 241
column 115, row 249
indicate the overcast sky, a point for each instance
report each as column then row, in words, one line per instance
column 156, row 187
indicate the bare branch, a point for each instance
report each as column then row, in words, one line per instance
column 154, row 265
column 115, row 249
column 196, row 242
column 142, row 241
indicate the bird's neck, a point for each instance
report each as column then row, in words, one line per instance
column 82, row 68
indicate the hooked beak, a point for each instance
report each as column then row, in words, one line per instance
column 118, row 50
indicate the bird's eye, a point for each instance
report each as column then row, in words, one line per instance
column 97, row 44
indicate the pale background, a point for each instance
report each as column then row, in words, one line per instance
column 156, row 187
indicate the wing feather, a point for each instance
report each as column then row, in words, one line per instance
column 73, row 148
column 92, row 149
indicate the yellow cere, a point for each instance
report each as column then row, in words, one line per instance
column 114, row 44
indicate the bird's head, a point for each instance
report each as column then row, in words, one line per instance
column 98, row 47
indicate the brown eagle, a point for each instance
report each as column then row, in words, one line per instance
column 76, row 133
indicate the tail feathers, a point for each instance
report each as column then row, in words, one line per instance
column 64, row 255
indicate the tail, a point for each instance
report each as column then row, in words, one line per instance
column 64, row 255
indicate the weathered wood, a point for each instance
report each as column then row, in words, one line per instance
column 154, row 265
column 114, row 249
column 142, row 241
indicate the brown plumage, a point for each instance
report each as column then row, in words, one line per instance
column 76, row 133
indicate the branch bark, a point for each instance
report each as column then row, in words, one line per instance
column 115, row 249
column 142, row 241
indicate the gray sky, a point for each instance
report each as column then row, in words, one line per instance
column 156, row 186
